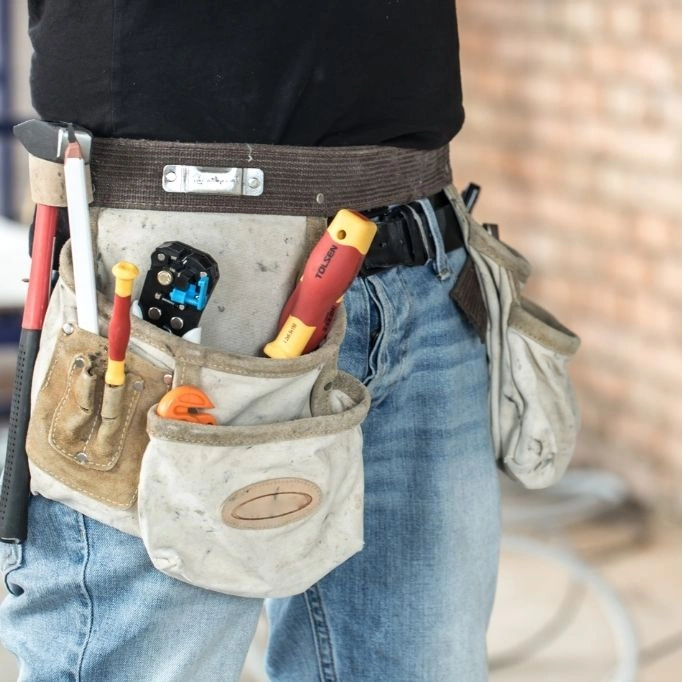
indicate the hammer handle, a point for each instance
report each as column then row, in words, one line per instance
column 15, row 482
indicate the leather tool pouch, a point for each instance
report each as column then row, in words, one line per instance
column 264, row 503
column 535, row 418
column 85, row 433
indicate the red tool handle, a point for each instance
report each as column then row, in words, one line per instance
column 331, row 267
column 119, row 326
column 16, row 478
column 38, row 293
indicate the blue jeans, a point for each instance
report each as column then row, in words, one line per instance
column 86, row 604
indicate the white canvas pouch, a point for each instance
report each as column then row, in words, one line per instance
column 256, row 511
column 265, row 502
column 534, row 413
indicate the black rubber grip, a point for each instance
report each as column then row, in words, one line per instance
column 15, row 481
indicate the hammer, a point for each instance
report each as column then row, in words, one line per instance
column 46, row 141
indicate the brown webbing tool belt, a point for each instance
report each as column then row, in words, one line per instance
column 310, row 181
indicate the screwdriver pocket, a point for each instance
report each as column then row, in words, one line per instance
column 86, row 438
column 86, row 434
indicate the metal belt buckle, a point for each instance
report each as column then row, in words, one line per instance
column 201, row 180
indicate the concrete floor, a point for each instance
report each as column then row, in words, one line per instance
column 540, row 605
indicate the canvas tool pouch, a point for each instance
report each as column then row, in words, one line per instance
column 270, row 499
column 534, row 414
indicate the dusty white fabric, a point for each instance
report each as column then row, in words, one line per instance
column 534, row 413
column 43, row 484
column 184, row 484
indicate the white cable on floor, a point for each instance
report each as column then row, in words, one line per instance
column 618, row 618
column 581, row 495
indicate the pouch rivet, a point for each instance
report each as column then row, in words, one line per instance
column 81, row 458
column 319, row 198
column 138, row 386
column 168, row 379
column 79, row 362
column 67, row 328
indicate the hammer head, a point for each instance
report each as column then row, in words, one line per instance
column 47, row 139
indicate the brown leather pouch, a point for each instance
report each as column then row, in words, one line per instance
column 85, row 433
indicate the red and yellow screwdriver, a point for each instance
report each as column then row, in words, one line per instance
column 332, row 265
column 119, row 326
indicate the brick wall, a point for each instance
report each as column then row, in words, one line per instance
column 574, row 130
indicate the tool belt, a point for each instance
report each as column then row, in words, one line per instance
column 269, row 499
column 267, row 179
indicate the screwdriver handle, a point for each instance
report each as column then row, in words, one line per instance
column 119, row 327
column 332, row 265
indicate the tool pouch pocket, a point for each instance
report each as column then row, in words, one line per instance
column 257, row 510
column 270, row 498
column 534, row 414
column 85, row 433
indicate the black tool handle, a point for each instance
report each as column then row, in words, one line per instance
column 15, row 482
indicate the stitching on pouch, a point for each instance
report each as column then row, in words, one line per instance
column 552, row 346
column 338, row 429
column 229, row 368
column 180, row 356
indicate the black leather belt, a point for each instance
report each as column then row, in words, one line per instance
column 403, row 236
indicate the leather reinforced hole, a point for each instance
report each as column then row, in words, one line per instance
column 272, row 503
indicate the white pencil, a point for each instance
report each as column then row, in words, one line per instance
column 81, row 239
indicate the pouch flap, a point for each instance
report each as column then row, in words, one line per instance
column 348, row 404
column 540, row 325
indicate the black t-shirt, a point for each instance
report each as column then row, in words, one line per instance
column 296, row 72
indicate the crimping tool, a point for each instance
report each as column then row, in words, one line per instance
column 177, row 287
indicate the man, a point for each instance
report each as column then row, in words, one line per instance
column 414, row 604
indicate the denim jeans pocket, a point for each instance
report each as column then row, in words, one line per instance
column 11, row 559
column 360, row 353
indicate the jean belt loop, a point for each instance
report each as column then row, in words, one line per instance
column 440, row 262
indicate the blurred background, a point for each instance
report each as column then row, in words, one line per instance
column 574, row 132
